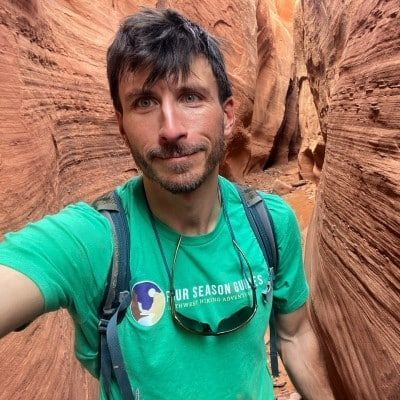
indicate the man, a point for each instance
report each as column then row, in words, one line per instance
column 189, row 233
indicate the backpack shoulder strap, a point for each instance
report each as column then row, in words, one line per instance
column 263, row 226
column 117, row 296
column 110, row 206
column 262, row 223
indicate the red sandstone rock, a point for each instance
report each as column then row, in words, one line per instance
column 352, row 52
column 39, row 363
column 281, row 188
column 312, row 150
column 275, row 69
column 58, row 144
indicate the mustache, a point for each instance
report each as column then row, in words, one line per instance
column 170, row 150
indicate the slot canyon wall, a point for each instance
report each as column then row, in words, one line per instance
column 58, row 144
column 352, row 54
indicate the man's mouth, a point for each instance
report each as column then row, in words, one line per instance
column 176, row 153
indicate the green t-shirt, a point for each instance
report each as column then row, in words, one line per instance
column 68, row 256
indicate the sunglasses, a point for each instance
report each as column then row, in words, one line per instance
column 230, row 324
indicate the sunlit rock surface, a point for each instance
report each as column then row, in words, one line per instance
column 312, row 151
column 274, row 90
column 352, row 52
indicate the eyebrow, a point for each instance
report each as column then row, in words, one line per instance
column 194, row 88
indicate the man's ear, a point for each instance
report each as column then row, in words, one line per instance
column 121, row 127
column 229, row 116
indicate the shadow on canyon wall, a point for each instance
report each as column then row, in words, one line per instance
column 318, row 81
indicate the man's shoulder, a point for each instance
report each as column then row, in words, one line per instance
column 77, row 219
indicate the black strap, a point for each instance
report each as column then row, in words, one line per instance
column 117, row 297
column 263, row 226
column 114, row 347
column 110, row 206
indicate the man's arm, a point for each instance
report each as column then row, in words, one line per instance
column 20, row 300
column 301, row 356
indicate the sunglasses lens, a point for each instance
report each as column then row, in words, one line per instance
column 227, row 325
column 192, row 325
column 236, row 320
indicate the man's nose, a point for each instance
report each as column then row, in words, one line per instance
column 172, row 126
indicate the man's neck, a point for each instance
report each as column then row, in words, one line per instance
column 191, row 214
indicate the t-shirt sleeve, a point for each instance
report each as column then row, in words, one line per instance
column 291, row 289
column 66, row 255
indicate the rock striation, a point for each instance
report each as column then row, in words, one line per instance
column 59, row 141
column 39, row 363
column 352, row 54
column 58, row 144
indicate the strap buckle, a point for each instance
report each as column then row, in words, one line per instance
column 102, row 327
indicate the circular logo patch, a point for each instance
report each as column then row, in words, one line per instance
column 148, row 303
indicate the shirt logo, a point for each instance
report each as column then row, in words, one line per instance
column 148, row 303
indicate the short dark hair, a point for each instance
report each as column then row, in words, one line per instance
column 165, row 42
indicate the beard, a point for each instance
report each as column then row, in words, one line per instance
column 182, row 178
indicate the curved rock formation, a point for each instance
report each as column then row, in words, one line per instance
column 58, row 144
column 312, row 150
column 39, row 363
column 273, row 92
column 352, row 51
column 59, row 141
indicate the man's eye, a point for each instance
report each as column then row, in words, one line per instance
column 144, row 102
column 190, row 98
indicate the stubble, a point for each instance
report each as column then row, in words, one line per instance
column 184, row 179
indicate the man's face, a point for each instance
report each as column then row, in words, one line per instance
column 175, row 129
